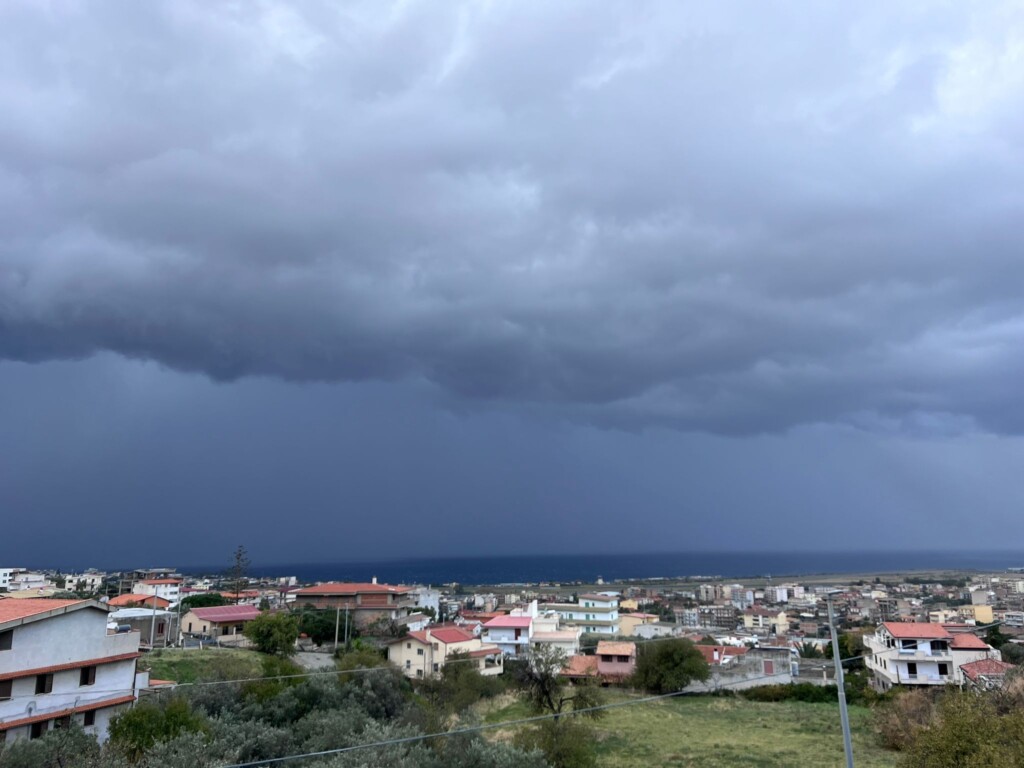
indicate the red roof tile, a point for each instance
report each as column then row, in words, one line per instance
column 12, row 609
column 132, row 599
column 448, row 636
column 514, row 622
column 912, row 630
column 968, row 642
column 581, row 666
column 988, row 667
column 222, row 614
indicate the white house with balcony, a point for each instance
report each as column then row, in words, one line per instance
column 512, row 634
column 921, row 654
column 594, row 612
column 59, row 664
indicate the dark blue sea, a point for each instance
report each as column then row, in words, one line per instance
column 530, row 569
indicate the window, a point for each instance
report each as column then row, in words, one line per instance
column 6, row 686
column 408, row 664
column 943, row 669
column 911, row 669
column 160, row 627
column 419, row 673
column 87, row 676
column 89, row 718
column 62, row 722
column 6, row 640
column 408, row 645
column 436, row 666
column 44, row 683
column 37, row 730
column 419, row 651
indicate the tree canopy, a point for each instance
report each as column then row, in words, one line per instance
column 273, row 633
column 668, row 666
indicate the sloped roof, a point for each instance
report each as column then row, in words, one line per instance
column 351, row 588
column 16, row 610
column 134, row 599
column 580, row 666
column 916, row 630
column 224, row 613
column 968, row 642
column 610, row 648
column 989, row 667
column 451, row 635
column 724, row 651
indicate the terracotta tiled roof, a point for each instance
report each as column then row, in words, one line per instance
column 132, row 599
column 450, row 635
column 12, row 610
column 509, row 622
column 913, row 630
column 581, row 666
column 221, row 614
column 609, row 648
column 988, row 667
column 348, row 588
column 968, row 642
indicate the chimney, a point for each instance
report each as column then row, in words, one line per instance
column 373, row 580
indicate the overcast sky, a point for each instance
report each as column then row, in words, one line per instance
column 413, row 279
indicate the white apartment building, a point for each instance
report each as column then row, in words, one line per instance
column 90, row 581
column 921, row 653
column 20, row 579
column 594, row 612
column 168, row 589
column 59, row 664
column 512, row 634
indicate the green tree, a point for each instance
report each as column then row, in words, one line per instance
column 851, row 646
column 273, row 633
column 565, row 743
column 539, row 676
column 668, row 666
column 318, row 624
column 810, row 650
column 204, row 600
column 238, row 574
column 137, row 730
column 61, row 748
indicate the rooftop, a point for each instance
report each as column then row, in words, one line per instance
column 916, row 630
column 610, row 648
column 15, row 610
column 224, row 613
column 985, row 667
column 513, row 622
column 351, row 588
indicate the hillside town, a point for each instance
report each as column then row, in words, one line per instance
column 74, row 646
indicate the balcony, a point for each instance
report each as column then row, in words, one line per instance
column 918, row 655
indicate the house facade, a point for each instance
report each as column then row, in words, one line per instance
column 60, row 665
column 168, row 589
column 366, row 603
column 512, row 634
column 596, row 613
column 615, row 660
column 921, row 654
column 423, row 654
column 223, row 623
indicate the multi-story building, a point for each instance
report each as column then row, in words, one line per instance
column 594, row 612
column 424, row 654
column 366, row 603
column 22, row 579
column 921, row 654
column 512, row 634
column 169, row 589
column 59, row 664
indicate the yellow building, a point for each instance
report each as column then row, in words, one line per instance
column 423, row 654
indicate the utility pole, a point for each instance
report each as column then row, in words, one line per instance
column 840, row 683
column 346, row 627
column 337, row 622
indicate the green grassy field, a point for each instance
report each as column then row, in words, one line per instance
column 192, row 665
column 705, row 732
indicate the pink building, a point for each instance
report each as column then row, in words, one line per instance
column 615, row 659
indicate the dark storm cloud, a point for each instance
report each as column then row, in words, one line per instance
column 732, row 221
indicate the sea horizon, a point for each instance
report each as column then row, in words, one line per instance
column 588, row 568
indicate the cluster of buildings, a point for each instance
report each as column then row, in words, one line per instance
column 67, row 659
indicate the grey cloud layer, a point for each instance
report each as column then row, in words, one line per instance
column 629, row 213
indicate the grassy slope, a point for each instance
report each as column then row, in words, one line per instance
column 705, row 732
column 191, row 665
